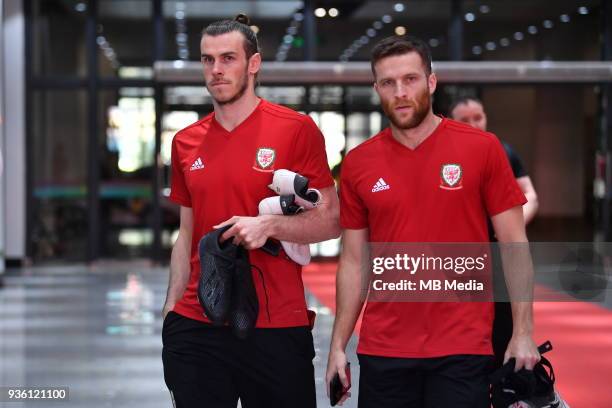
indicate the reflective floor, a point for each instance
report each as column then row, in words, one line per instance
column 97, row 330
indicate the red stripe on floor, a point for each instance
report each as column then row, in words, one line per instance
column 581, row 334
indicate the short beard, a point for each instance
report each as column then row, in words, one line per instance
column 421, row 105
column 237, row 95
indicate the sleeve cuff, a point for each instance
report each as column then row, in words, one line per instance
column 185, row 202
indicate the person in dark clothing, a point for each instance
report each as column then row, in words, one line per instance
column 471, row 111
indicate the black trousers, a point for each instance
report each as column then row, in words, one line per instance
column 502, row 323
column 206, row 366
column 459, row 381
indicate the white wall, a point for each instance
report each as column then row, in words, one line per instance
column 2, row 217
column 14, row 129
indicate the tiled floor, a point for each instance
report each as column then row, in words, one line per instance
column 97, row 330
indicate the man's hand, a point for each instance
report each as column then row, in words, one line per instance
column 167, row 308
column 336, row 363
column 524, row 351
column 250, row 232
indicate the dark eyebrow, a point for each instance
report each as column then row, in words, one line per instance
column 225, row 54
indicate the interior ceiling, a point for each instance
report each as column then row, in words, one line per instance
column 427, row 19
column 355, row 9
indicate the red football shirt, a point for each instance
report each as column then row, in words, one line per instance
column 400, row 196
column 220, row 174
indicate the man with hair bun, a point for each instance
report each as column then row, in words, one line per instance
column 221, row 168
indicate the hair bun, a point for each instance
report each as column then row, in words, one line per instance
column 242, row 18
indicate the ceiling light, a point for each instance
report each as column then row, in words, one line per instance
column 434, row 42
column 255, row 29
column 399, row 7
column 504, row 42
column 518, row 36
column 583, row 10
column 532, row 30
column 484, row 9
column 476, row 50
column 547, row 24
column 80, row 7
column 320, row 12
column 491, row 46
column 386, row 19
column 333, row 12
column 470, row 17
column 564, row 18
column 371, row 32
column 377, row 25
column 400, row 30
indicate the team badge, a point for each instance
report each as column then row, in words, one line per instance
column 264, row 159
column 451, row 177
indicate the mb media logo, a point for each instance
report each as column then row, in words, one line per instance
column 380, row 186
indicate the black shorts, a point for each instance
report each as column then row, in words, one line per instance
column 206, row 366
column 459, row 381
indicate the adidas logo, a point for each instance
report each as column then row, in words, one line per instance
column 380, row 186
column 197, row 165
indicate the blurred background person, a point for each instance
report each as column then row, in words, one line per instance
column 471, row 111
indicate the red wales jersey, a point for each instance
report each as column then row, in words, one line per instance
column 220, row 174
column 442, row 191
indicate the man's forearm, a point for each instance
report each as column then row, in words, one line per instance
column 179, row 272
column 318, row 224
column 348, row 305
column 530, row 208
column 305, row 228
column 518, row 273
column 522, row 318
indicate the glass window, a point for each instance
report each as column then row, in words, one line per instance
column 125, row 38
column 172, row 122
column 362, row 98
column 59, row 37
column 326, row 97
column 59, row 167
column 127, row 142
column 291, row 96
column 331, row 125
